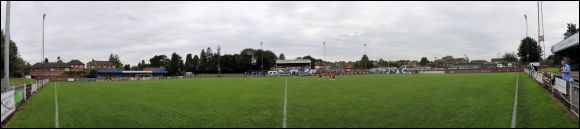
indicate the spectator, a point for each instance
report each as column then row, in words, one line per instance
column 565, row 71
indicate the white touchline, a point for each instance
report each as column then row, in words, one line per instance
column 515, row 102
column 56, row 107
column 285, row 103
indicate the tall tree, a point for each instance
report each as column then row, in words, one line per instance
column 571, row 30
column 159, row 61
column 364, row 63
column 247, row 59
column 176, row 65
column 211, row 61
column 17, row 64
column 269, row 59
column 195, row 63
column 282, row 56
column 141, row 65
column 424, row 61
column 510, row 57
column 529, row 50
column 188, row 63
column 202, row 61
column 127, row 67
column 114, row 58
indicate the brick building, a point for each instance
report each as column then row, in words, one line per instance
column 76, row 65
column 55, row 69
column 100, row 65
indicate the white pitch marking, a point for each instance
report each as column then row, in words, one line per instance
column 515, row 102
column 285, row 104
column 56, row 107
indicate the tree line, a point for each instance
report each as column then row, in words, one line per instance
column 207, row 62
column 18, row 67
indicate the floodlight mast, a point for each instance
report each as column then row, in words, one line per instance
column 43, row 19
column 324, row 53
column 262, row 56
column 526, row 18
column 218, row 65
column 7, row 48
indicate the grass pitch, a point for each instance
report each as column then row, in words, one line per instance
column 17, row 81
column 446, row 100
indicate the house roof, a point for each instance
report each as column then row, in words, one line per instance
column 58, row 64
column 297, row 61
column 75, row 62
column 99, row 63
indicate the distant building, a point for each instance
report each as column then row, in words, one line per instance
column 409, row 64
column 76, row 65
column 497, row 60
column 55, row 69
column 130, row 75
column 478, row 61
column 457, row 61
column 100, row 65
column 297, row 63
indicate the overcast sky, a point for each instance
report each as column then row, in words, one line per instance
column 393, row 30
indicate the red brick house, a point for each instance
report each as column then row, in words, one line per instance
column 100, row 65
column 76, row 65
column 55, row 69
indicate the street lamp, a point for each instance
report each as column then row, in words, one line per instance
column 7, row 48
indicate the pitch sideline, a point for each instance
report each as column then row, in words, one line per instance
column 514, row 112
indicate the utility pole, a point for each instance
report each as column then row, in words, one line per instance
column 526, row 17
column 324, row 55
column 218, row 65
column 541, row 31
column 43, row 19
column 262, row 56
column 365, row 48
column 7, row 48
column 539, row 35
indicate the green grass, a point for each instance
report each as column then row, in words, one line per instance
column 17, row 81
column 538, row 110
column 552, row 70
column 450, row 100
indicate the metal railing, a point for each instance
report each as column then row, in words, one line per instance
column 565, row 90
column 15, row 96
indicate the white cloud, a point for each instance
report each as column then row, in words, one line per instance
column 392, row 30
